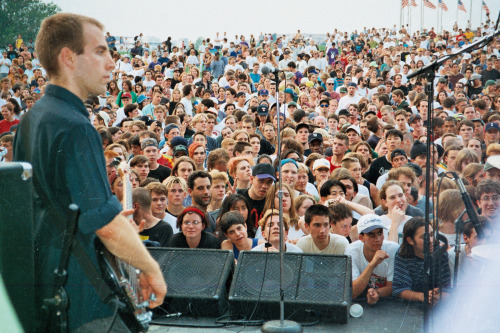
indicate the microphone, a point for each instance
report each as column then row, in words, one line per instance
column 265, row 70
column 469, row 208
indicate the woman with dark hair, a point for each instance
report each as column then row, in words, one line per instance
column 234, row 227
column 127, row 88
column 238, row 203
column 15, row 106
column 112, row 88
column 192, row 223
column 410, row 280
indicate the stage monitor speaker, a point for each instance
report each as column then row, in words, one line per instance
column 196, row 280
column 314, row 286
column 16, row 239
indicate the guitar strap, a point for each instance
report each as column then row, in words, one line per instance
column 94, row 276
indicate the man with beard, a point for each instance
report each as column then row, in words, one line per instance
column 199, row 186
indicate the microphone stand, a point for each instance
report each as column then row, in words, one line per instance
column 459, row 224
column 281, row 325
column 430, row 73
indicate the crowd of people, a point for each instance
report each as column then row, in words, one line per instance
column 199, row 130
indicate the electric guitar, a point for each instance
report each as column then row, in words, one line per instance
column 122, row 278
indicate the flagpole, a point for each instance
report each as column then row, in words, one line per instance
column 400, row 14
column 437, row 20
column 409, row 19
column 470, row 15
column 421, row 16
column 441, row 31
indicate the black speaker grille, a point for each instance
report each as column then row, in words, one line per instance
column 189, row 272
column 322, row 279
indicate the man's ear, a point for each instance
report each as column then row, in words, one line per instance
column 410, row 241
column 67, row 58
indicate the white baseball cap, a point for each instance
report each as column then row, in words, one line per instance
column 369, row 223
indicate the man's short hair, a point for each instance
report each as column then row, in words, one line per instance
column 157, row 187
column 142, row 197
column 229, row 219
column 394, row 173
column 215, row 155
column 340, row 211
column 317, row 210
column 195, row 175
column 172, row 180
column 240, row 146
column 139, row 159
column 394, row 132
column 324, row 191
column 58, row 31
column 487, row 186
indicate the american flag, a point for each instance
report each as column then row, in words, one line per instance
column 429, row 4
column 442, row 5
column 404, row 3
column 461, row 6
column 414, row 3
column 486, row 9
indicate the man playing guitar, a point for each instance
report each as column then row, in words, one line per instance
column 58, row 139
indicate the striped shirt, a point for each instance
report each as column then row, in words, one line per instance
column 409, row 274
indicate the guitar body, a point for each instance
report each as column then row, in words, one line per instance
column 123, row 281
column 122, row 278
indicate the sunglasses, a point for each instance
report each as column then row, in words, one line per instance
column 324, row 105
column 330, row 84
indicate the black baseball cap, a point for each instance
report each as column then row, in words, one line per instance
column 263, row 171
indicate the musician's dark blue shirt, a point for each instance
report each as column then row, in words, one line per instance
column 66, row 152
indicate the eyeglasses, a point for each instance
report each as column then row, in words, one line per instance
column 324, row 105
column 189, row 223
column 494, row 198
column 380, row 80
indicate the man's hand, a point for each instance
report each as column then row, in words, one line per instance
column 153, row 283
column 137, row 227
column 378, row 257
column 372, row 296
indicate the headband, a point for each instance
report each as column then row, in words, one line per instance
column 194, row 209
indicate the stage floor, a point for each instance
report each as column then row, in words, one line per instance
column 386, row 316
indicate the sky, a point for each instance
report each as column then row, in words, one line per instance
column 203, row 18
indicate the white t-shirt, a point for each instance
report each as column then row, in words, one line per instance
column 347, row 100
column 290, row 248
column 172, row 220
column 187, row 106
column 295, row 233
column 387, row 224
column 382, row 273
column 337, row 245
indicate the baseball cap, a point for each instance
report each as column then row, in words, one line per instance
column 105, row 117
column 170, row 127
column 330, row 80
column 302, row 125
column 178, row 140
column 180, row 149
column 355, row 128
column 213, row 110
column 475, row 76
column 241, row 93
column 292, row 104
column 492, row 162
column 414, row 117
column 321, row 163
column 489, row 83
column 126, row 95
column 370, row 222
column 352, row 84
column 263, row 92
column 343, row 90
column 263, row 171
column 262, row 110
column 344, row 112
column 491, row 126
column 398, row 152
column 314, row 136
column 442, row 79
column 477, row 120
column 415, row 167
column 141, row 99
column 289, row 91
column 148, row 143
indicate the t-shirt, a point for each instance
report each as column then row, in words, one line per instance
column 290, row 248
column 161, row 233
column 161, row 173
column 256, row 206
column 382, row 273
column 337, row 245
column 207, row 241
column 6, row 125
column 171, row 219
